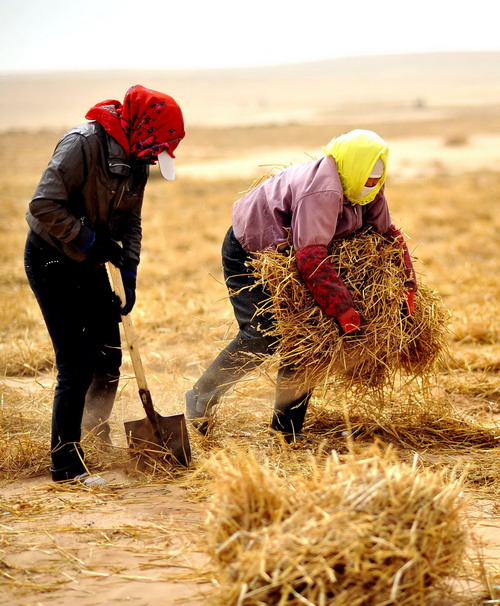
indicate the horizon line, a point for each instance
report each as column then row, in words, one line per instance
column 81, row 70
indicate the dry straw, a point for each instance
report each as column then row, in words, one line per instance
column 389, row 341
column 24, row 434
column 370, row 530
column 25, row 442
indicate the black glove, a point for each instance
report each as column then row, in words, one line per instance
column 116, row 308
column 105, row 249
column 129, row 283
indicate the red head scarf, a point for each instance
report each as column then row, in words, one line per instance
column 146, row 124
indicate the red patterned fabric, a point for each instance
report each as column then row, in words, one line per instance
column 146, row 124
column 411, row 279
column 322, row 280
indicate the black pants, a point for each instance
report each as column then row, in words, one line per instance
column 245, row 352
column 77, row 305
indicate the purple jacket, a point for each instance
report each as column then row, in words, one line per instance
column 305, row 201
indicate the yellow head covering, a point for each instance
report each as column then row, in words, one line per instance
column 355, row 154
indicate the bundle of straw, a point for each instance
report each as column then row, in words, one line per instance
column 388, row 342
column 367, row 531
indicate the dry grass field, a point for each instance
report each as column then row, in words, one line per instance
column 143, row 539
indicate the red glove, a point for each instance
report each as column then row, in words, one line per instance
column 322, row 280
column 349, row 320
column 410, row 303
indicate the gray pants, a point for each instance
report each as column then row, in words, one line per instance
column 245, row 352
column 99, row 402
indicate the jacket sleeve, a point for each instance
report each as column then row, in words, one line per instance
column 127, row 218
column 322, row 280
column 394, row 234
column 63, row 177
column 376, row 214
column 129, row 232
column 314, row 218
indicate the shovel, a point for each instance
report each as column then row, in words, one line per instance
column 169, row 433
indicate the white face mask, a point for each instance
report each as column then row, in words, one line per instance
column 365, row 191
column 166, row 164
column 377, row 172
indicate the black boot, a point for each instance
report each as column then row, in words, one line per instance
column 198, row 415
column 289, row 418
column 292, row 400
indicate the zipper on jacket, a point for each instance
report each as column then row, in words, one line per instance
column 114, row 205
column 121, row 195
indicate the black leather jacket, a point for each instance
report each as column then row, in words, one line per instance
column 89, row 185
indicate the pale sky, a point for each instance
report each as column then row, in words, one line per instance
column 183, row 34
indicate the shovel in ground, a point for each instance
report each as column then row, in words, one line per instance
column 146, row 435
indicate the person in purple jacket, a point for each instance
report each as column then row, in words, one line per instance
column 306, row 206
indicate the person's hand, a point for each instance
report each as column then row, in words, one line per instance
column 129, row 284
column 116, row 307
column 349, row 320
column 409, row 304
column 106, row 249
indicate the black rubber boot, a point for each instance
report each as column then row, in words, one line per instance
column 289, row 418
column 292, row 400
column 200, row 418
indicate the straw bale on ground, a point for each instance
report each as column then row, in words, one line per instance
column 367, row 531
column 389, row 342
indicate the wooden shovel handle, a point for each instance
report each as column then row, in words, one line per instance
column 176, row 439
column 133, row 344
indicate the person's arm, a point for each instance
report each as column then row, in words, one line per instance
column 58, row 202
column 394, row 235
column 63, row 179
column 326, row 286
column 127, row 218
column 313, row 227
column 377, row 216
column 127, row 228
column 130, row 235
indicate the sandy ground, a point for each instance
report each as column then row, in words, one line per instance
column 105, row 546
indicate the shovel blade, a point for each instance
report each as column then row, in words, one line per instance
column 171, row 436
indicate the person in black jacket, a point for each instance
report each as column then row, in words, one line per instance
column 85, row 212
